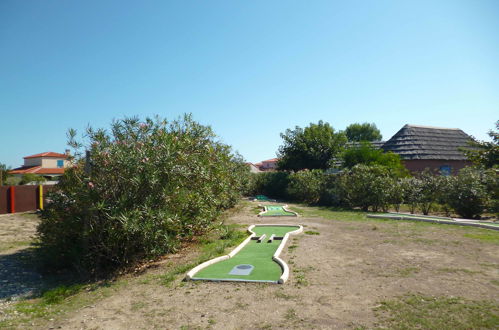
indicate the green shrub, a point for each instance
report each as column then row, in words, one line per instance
column 429, row 188
column 306, row 186
column 30, row 177
column 331, row 193
column 365, row 153
column 367, row 187
column 468, row 195
column 272, row 184
column 396, row 193
column 144, row 187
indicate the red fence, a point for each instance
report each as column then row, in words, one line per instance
column 21, row 198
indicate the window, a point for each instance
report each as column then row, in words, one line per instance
column 60, row 163
column 445, row 170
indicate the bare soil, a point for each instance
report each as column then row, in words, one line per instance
column 337, row 278
column 16, row 231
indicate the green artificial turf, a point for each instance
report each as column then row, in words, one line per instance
column 276, row 210
column 257, row 254
column 262, row 198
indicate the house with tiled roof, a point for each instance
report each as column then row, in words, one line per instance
column 253, row 168
column 436, row 148
column 268, row 165
column 47, row 164
column 420, row 147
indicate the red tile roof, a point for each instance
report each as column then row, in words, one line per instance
column 47, row 154
column 270, row 160
column 36, row 170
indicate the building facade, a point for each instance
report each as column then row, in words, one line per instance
column 436, row 148
column 47, row 164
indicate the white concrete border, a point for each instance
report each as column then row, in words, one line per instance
column 446, row 222
column 275, row 257
column 284, row 207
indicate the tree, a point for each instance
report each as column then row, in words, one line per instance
column 365, row 153
column 485, row 154
column 311, row 147
column 363, row 132
column 4, row 173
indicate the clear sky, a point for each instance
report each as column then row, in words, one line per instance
column 250, row 69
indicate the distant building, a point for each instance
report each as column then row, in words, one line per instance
column 253, row 168
column 47, row 164
column 435, row 148
column 268, row 165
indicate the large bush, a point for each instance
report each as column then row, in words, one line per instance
column 468, row 194
column 306, row 186
column 365, row 153
column 271, row 184
column 429, row 190
column 31, row 178
column 141, row 189
column 367, row 187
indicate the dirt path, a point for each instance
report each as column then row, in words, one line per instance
column 337, row 278
column 17, row 277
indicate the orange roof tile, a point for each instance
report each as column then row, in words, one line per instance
column 36, row 170
column 47, row 154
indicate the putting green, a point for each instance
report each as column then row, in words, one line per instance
column 256, row 255
column 262, row 198
column 276, row 211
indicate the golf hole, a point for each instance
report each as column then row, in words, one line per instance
column 241, row 270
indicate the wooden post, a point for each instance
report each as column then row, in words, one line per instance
column 40, row 195
column 12, row 199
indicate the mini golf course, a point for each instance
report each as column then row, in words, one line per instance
column 276, row 211
column 254, row 260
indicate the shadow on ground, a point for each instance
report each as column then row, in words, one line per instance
column 20, row 277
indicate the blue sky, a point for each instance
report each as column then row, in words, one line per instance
column 250, row 69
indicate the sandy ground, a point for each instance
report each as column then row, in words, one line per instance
column 337, row 278
column 16, row 231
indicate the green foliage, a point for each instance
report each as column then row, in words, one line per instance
column 396, row 193
column 428, row 185
column 30, row 177
column 468, row 194
column 365, row 153
column 145, row 187
column 367, row 186
column 485, row 154
column 363, row 132
column 311, row 147
column 306, row 186
column 12, row 181
column 412, row 192
column 4, row 173
column 271, row 184
column 57, row 295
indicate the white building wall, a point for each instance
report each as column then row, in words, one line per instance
column 52, row 162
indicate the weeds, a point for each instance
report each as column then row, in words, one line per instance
column 416, row 311
column 290, row 314
column 458, row 270
column 486, row 236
